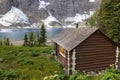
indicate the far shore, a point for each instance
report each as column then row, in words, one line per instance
column 17, row 42
column 16, row 27
column 20, row 42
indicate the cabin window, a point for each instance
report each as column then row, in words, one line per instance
column 62, row 51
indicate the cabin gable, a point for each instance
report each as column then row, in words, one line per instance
column 96, row 53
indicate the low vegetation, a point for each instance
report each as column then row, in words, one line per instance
column 26, row 63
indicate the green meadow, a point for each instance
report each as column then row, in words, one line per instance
column 27, row 63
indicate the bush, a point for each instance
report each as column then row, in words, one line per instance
column 47, row 50
column 60, row 77
column 56, row 77
column 34, row 54
column 29, row 62
column 8, row 75
column 1, row 60
column 79, row 76
column 110, row 74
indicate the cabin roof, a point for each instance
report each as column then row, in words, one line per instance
column 69, row 38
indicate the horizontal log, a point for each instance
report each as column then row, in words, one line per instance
column 96, row 42
column 94, row 52
column 93, row 68
column 93, row 48
column 98, row 38
column 95, row 64
column 94, row 59
column 80, row 62
column 82, row 56
column 96, row 45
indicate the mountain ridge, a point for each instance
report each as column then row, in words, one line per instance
column 60, row 9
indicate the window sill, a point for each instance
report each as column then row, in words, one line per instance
column 62, row 54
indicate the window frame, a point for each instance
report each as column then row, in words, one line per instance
column 63, row 53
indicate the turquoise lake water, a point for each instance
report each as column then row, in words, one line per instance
column 18, row 34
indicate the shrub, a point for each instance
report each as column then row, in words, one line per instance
column 79, row 76
column 60, row 77
column 56, row 77
column 8, row 75
column 29, row 62
column 34, row 54
column 110, row 74
column 1, row 60
column 47, row 50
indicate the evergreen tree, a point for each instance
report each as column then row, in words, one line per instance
column 92, row 21
column 25, row 40
column 38, row 39
column 43, row 35
column 109, row 19
column 31, row 39
column 6, row 42
column 0, row 42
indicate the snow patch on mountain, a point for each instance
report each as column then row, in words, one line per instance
column 43, row 4
column 91, row 0
column 14, row 16
column 49, row 20
column 79, row 18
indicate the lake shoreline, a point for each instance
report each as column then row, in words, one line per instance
column 17, row 42
column 20, row 42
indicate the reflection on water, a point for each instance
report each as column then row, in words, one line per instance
column 18, row 34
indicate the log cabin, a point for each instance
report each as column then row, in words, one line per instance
column 85, row 49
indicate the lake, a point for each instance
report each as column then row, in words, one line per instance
column 18, row 33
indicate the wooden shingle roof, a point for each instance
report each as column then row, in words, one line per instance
column 69, row 38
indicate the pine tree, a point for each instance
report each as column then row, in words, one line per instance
column 109, row 19
column 43, row 35
column 7, row 42
column 25, row 40
column 31, row 39
column 0, row 42
column 38, row 39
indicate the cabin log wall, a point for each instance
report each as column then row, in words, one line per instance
column 95, row 53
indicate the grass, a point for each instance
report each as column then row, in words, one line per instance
column 31, row 63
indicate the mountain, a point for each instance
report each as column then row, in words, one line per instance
column 14, row 16
column 60, row 10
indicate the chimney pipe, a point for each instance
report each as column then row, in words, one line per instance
column 76, row 25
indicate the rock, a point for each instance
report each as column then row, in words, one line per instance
column 1, row 60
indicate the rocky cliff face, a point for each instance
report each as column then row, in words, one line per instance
column 60, row 9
